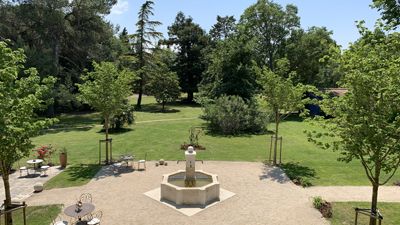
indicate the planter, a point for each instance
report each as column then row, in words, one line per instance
column 63, row 159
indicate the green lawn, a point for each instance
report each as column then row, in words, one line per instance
column 37, row 215
column 161, row 139
column 75, row 175
column 343, row 213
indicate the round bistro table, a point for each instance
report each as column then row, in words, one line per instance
column 84, row 210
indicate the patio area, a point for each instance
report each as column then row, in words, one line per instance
column 22, row 186
column 263, row 195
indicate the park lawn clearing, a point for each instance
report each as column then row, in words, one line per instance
column 344, row 214
column 74, row 175
column 37, row 215
column 163, row 134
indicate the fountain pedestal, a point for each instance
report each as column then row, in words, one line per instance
column 190, row 177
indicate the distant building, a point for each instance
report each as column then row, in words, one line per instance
column 315, row 110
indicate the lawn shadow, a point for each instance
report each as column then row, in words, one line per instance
column 111, row 170
column 157, row 108
column 299, row 174
column 273, row 173
column 116, row 131
column 293, row 118
column 82, row 121
column 83, row 171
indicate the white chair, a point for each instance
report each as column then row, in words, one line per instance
column 143, row 161
column 85, row 198
column 43, row 169
column 95, row 218
column 22, row 168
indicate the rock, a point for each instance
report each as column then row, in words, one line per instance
column 38, row 187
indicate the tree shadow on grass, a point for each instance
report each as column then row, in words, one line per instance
column 116, row 131
column 82, row 171
column 299, row 174
column 157, row 108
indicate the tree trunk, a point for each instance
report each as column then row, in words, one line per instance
column 139, row 100
column 276, row 136
column 163, row 106
column 190, row 96
column 5, row 174
column 374, row 203
column 106, row 122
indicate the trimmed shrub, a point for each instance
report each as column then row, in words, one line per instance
column 231, row 115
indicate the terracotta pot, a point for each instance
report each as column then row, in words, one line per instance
column 63, row 159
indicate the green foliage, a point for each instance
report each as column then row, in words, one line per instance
column 232, row 115
column 229, row 70
column 312, row 55
column 143, row 40
column 390, row 10
column 124, row 117
column 61, row 38
column 190, row 40
column 279, row 96
column 268, row 25
column 105, row 89
column 317, row 202
column 194, row 134
column 366, row 120
column 164, row 83
column 224, row 28
column 21, row 96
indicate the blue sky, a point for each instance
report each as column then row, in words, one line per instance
column 338, row 16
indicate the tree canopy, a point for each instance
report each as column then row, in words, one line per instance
column 22, row 94
column 105, row 89
column 366, row 120
column 189, row 39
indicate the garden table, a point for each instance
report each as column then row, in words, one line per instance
column 34, row 162
column 127, row 158
column 73, row 211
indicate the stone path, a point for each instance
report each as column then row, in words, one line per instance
column 22, row 187
column 264, row 195
column 355, row 193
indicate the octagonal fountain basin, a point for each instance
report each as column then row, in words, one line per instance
column 205, row 189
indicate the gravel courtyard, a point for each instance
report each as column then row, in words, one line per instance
column 264, row 195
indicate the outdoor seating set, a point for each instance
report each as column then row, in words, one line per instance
column 125, row 159
column 82, row 213
column 36, row 167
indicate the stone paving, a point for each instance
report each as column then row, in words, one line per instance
column 22, row 186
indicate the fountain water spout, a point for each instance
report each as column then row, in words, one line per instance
column 190, row 156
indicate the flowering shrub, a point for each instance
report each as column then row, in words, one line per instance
column 44, row 152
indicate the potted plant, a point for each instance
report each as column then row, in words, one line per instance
column 63, row 157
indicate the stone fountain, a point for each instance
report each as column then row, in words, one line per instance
column 190, row 186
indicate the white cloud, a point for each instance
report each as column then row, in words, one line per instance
column 121, row 7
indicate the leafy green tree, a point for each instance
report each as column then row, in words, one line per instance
column 22, row 93
column 311, row 55
column 280, row 96
column 268, row 26
column 164, row 83
column 105, row 89
column 61, row 38
column 224, row 28
column 143, row 45
column 390, row 10
column 366, row 120
column 190, row 39
column 229, row 70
